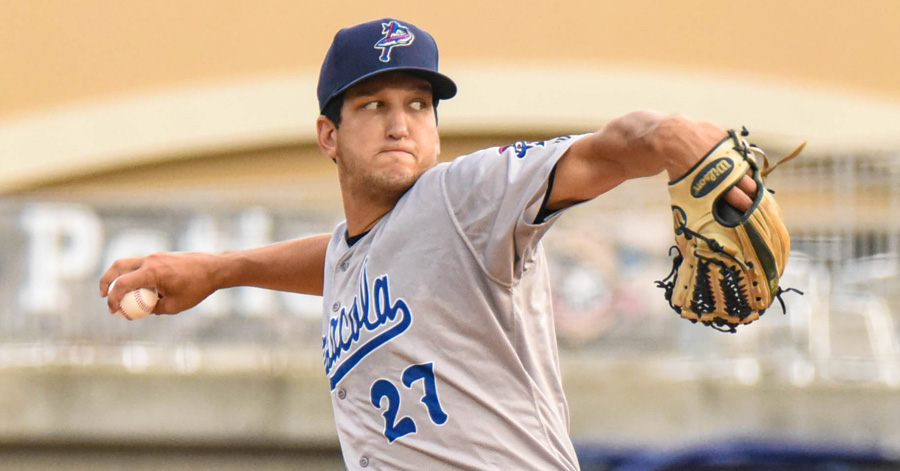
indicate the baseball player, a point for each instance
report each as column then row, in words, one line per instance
column 438, row 342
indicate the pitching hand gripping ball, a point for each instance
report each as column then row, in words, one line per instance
column 136, row 304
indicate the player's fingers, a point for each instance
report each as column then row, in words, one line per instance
column 741, row 195
column 737, row 198
column 112, row 302
column 748, row 185
column 115, row 292
column 130, row 281
column 123, row 265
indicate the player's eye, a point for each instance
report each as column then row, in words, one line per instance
column 419, row 105
column 372, row 105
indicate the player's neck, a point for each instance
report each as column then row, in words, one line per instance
column 363, row 214
column 367, row 201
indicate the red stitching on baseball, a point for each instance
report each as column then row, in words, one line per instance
column 140, row 302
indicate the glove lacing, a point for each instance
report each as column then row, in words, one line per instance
column 702, row 299
column 733, row 286
column 732, row 283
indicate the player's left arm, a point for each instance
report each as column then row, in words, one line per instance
column 639, row 144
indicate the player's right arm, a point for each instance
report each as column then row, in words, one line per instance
column 183, row 279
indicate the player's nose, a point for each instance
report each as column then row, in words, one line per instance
column 398, row 124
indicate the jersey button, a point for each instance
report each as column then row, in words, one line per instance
column 335, row 306
column 345, row 265
column 364, row 461
column 342, row 393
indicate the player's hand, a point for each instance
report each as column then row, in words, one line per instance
column 742, row 195
column 689, row 141
column 182, row 280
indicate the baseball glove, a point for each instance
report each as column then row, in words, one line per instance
column 728, row 263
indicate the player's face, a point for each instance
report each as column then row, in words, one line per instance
column 388, row 134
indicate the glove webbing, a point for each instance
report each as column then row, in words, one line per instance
column 703, row 301
column 732, row 284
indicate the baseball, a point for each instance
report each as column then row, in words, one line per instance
column 137, row 303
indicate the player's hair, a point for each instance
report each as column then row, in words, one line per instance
column 332, row 110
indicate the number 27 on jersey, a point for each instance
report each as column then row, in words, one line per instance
column 383, row 389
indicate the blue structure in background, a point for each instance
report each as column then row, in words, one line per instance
column 739, row 455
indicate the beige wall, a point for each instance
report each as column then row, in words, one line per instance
column 60, row 51
column 93, row 85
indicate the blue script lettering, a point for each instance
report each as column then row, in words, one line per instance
column 390, row 318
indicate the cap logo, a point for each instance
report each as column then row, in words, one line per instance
column 395, row 35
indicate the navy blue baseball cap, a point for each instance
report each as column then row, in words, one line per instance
column 376, row 47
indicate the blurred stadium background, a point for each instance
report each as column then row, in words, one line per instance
column 129, row 127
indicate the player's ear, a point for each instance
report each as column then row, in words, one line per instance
column 327, row 137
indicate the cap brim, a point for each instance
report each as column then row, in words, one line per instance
column 442, row 86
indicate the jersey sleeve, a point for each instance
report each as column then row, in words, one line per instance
column 494, row 196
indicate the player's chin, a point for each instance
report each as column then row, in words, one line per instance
column 402, row 171
column 392, row 180
column 401, row 181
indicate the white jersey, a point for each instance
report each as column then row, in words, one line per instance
column 438, row 338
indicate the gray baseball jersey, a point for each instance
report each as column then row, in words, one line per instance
column 438, row 338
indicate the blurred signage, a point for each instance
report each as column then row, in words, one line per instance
column 53, row 255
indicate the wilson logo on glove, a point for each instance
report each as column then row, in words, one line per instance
column 728, row 263
column 710, row 177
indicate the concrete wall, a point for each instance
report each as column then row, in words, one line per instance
column 105, row 419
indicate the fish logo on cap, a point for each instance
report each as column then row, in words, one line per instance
column 395, row 35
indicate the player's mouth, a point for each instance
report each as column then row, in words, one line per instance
column 398, row 153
